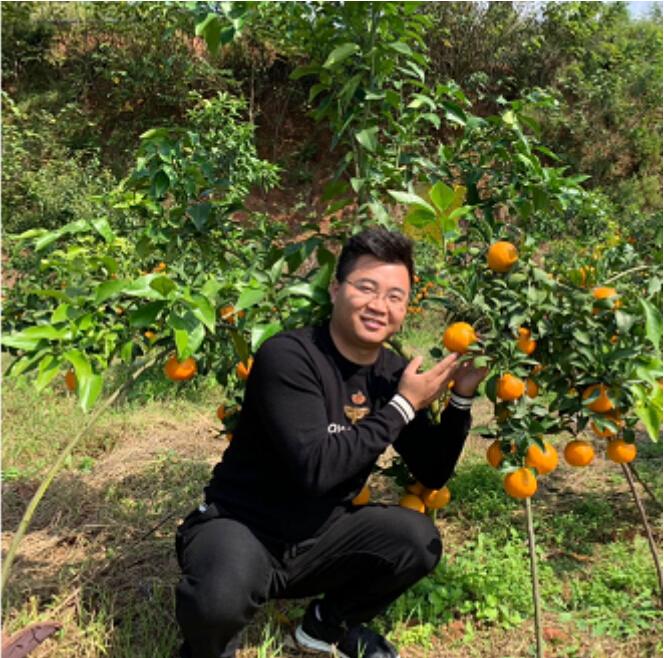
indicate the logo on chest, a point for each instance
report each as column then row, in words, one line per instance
column 356, row 411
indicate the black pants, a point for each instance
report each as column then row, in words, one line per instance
column 362, row 563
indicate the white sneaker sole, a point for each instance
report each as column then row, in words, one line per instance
column 311, row 643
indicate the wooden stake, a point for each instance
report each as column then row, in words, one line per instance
column 539, row 635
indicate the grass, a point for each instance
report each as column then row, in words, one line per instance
column 99, row 555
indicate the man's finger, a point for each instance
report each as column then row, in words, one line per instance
column 412, row 367
column 446, row 364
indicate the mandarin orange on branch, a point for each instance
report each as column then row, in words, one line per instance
column 601, row 404
column 243, row 369
column 620, row 452
column 70, row 380
column 502, row 256
column 436, row 498
column 510, row 388
column 524, row 342
column 543, row 461
column 520, row 483
column 180, row 371
column 459, row 336
column 411, row 501
column 579, row 453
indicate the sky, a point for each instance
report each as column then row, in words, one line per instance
column 641, row 7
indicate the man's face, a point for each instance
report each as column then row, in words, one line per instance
column 371, row 303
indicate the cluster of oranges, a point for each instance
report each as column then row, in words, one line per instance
column 420, row 295
column 421, row 498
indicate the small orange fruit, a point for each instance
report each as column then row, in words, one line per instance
column 436, row 498
column 221, row 412
column 524, row 341
column 520, row 483
column 601, row 404
column 543, row 461
column 510, row 387
column 537, row 368
column 532, row 389
column 607, row 432
column 411, row 501
column 159, row 268
column 494, row 454
column 70, row 380
column 458, row 337
column 501, row 256
column 605, row 292
column 243, row 369
column 621, row 452
column 150, row 335
column 180, row 371
column 227, row 313
column 363, row 497
column 579, row 453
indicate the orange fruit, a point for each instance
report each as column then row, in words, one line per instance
column 458, row 337
column 520, row 483
column 601, row 404
column 537, row 368
column 605, row 292
column 501, row 256
column 412, row 501
column 607, row 431
column 579, row 453
column 70, row 380
column 436, row 498
column 620, row 452
column 416, row 488
column 243, row 369
column 510, row 387
column 150, row 335
column 532, row 389
column 524, row 342
column 363, row 497
column 221, row 412
column 494, row 454
column 543, row 461
column 160, row 268
column 180, row 371
column 227, row 313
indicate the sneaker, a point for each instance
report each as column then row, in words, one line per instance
column 356, row 642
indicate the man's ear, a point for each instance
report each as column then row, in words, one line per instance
column 334, row 289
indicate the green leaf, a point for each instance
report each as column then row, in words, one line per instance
column 204, row 311
column 141, row 288
column 210, row 29
column 20, row 341
column 104, row 229
column 127, row 352
column 199, row 215
column 441, row 195
column 411, row 199
column 80, row 362
column 145, row 315
column 49, row 367
column 368, row 138
column 60, row 314
column 163, row 285
column 89, row 389
column 109, row 289
column 400, row 47
column 653, row 324
column 160, row 184
column 250, row 297
column 649, row 409
column 261, row 332
column 188, row 333
column 432, row 118
column 340, row 53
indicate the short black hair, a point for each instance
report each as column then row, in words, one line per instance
column 384, row 245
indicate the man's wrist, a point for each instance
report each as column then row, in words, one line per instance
column 403, row 406
column 462, row 402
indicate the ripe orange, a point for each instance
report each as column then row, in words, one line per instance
column 436, row 498
column 458, row 337
column 412, row 502
column 502, row 256
column 150, row 335
column 221, row 412
column 227, row 313
column 520, row 483
column 621, row 452
column 160, row 268
column 605, row 292
column 510, row 387
column 532, row 389
column 601, row 404
column 608, row 432
column 243, row 369
column 524, row 342
column 180, row 371
column 363, row 497
column 494, row 454
column 70, row 380
column 579, row 453
column 543, row 461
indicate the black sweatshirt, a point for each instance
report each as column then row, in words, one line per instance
column 297, row 459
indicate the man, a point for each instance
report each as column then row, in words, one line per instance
column 321, row 405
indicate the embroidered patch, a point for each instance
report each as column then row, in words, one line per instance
column 355, row 413
column 358, row 398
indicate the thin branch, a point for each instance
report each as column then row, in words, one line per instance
column 648, row 490
column 539, row 636
column 620, row 275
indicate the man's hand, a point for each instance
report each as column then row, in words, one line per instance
column 421, row 389
column 467, row 378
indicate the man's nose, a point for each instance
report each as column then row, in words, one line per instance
column 378, row 304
